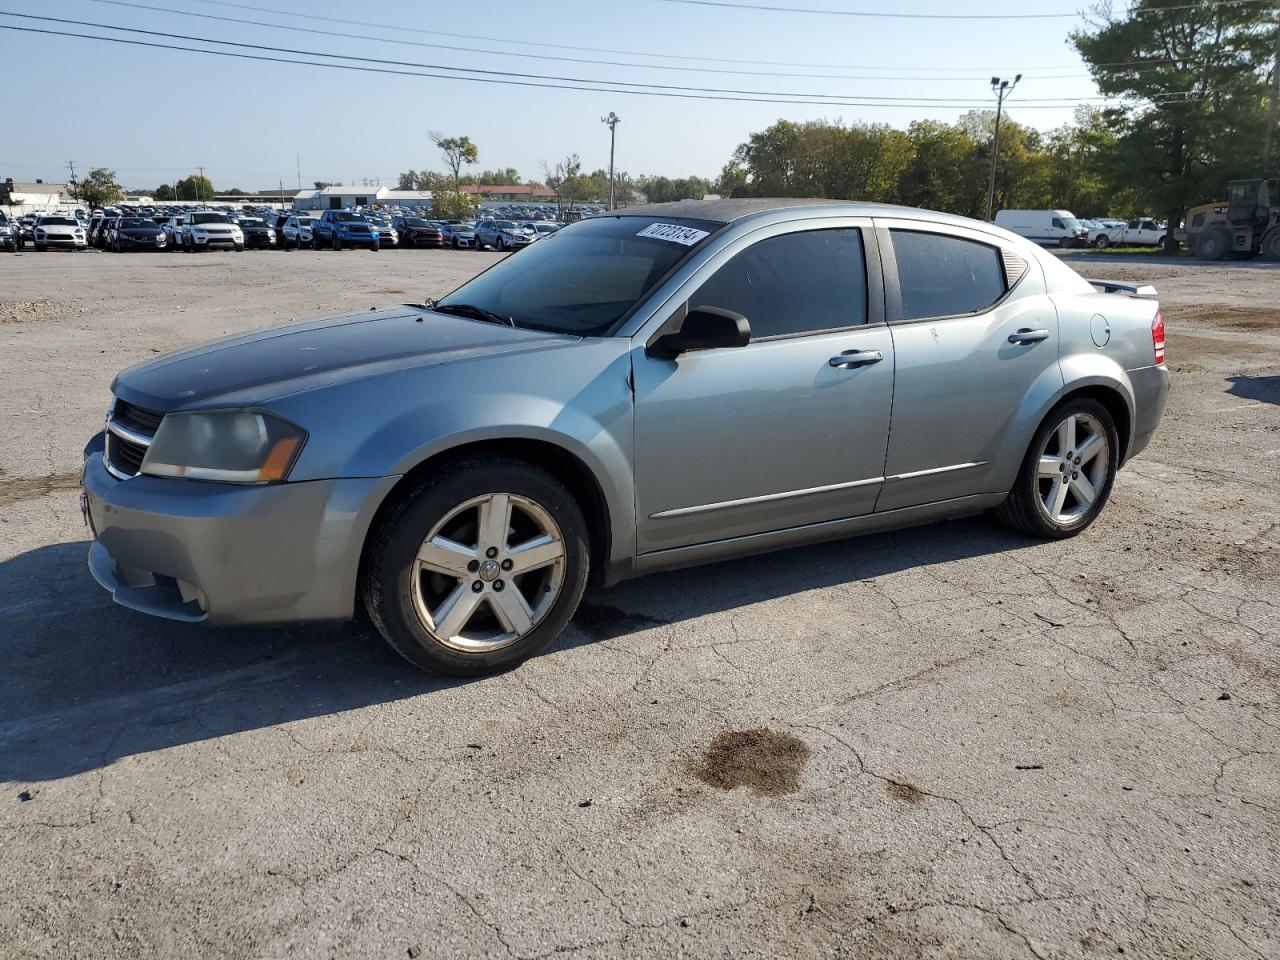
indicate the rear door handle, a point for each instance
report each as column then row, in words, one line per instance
column 1027, row 335
column 856, row 358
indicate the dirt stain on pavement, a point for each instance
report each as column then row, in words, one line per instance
column 906, row 792
column 17, row 489
column 766, row 761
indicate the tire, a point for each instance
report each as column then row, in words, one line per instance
column 376, row 246
column 1025, row 509
column 1270, row 249
column 1160, row 242
column 337, row 242
column 239, row 247
column 455, row 243
column 393, row 584
column 41, row 248
column 501, row 246
column 1102, row 242
column 1211, row 244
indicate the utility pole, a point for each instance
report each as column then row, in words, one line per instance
column 75, row 192
column 200, row 185
column 1267, row 168
column 612, row 120
column 1001, row 88
column 297, row 158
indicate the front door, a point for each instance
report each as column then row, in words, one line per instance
column 737, row 441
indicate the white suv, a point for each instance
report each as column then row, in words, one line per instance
column 206, row 228
column 58, row 231
column 297, row 233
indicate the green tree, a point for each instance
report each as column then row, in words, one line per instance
column 665, row 189
column 508, row 177
column 194, row 187
column 99, row 188
column 564, row 180
column 321, row 184
column 1195, row 72
column 165, row 193
column 457, row 153
column 450, row 204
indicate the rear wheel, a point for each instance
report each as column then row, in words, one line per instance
column 1067, row 474
column 477, row 568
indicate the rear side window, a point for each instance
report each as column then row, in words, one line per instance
column 943, row 276
column 794, row 283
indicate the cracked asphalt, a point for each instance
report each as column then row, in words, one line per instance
column 949, row 741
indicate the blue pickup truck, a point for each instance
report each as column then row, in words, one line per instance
column 338, row 228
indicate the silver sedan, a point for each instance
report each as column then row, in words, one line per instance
column 679, row 384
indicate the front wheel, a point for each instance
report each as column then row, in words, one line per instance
column 478, row 567
column 337, row 242
column 1102, row 242
column 376, row 246
column 1067, row 474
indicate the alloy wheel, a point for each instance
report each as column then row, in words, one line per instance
column 1073, row 468
column 488, row 572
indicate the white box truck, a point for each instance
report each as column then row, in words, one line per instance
column 1049, row 228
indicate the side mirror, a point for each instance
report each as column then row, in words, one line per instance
column 703, row 328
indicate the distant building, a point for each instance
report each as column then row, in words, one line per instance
column 513, row 191
column 342, row 198
column 32, row 196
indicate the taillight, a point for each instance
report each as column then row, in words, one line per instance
column 1157, row 337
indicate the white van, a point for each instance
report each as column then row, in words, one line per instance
column 1049, row 228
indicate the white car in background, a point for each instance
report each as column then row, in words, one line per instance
column 206, row 229
column 1144, row 232
column 59, row 231
column 1105, row 233
column 297, row 233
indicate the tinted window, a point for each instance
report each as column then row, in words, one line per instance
column 583, row 280
column 942, row 276
column 1057, row 223
column 793, row 283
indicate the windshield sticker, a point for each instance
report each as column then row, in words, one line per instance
column 686, row 236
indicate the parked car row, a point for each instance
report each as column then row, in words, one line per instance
column 195, row 230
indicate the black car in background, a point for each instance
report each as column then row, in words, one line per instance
column 99, row 231
column 258, row 233
column 137, row 233
column 417, row 232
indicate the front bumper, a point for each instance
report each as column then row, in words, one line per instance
column 221, row 553
column 360, row 239
column 265, row 240
column 62, row 241
column 216, row 240
column 144, row 243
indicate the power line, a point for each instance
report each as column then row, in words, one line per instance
column 725, row 4
column 785, row 99
column 564, row 46
column 543, row 56
column 832, row 99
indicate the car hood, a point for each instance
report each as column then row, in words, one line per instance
column 257, row 367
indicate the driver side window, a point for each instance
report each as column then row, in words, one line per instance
column 808, row 282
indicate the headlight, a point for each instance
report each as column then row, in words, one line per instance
column 233, row 446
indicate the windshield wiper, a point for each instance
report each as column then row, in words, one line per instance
column 474, row 312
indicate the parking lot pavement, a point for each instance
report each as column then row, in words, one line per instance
column 943, row 742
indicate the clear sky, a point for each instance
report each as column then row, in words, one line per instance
column 155, row 115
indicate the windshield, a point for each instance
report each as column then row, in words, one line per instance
column 348, row 217
column 251, row 222
column 58, row 222
column 135, row 222
column 503, row 225
column 416, row 222
column 209, row 218
column 1071, row 223
column 582, row 280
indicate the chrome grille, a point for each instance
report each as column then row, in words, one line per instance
column 130, row 430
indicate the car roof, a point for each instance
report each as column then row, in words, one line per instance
column 731, row 210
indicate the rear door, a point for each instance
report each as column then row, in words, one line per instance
column 737, row 441
column 973, row 330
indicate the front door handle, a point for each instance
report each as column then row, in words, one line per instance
column 856, row 358
column 1027, row 335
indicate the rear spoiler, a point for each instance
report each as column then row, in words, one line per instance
column 1143, row 292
